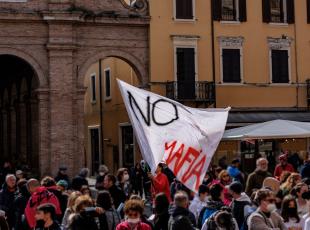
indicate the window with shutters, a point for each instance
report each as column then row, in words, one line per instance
column 184, row 9
column 231, row 65
column 278, row 11
column 280, row 66
column 93, row 88
column 308, row 11
column 229, row 10
column 107, row 83
column 185, row 66
column 186, row 72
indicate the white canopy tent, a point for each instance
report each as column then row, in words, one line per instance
column 276, row 129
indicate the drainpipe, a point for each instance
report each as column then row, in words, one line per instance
column 213, row 53
column 101, row 113
column 296, row 65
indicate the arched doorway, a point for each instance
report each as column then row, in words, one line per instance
column 18, row 114
column 109, row 137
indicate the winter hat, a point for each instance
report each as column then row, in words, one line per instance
column 63, row 183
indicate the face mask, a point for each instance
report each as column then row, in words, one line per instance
column 271, row 207
column 126, row 177
column 101, row 173
column 40, row 223
column 133, row 221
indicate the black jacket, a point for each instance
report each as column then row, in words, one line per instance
column 54, row 226
column 118, row 196
column 83, row 222
column 7, row 204
column 20, row 203
column 305, row 171
column 161, row 221
column 181, row 218
column 237, row 209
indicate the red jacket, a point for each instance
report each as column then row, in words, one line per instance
column 279, row 169
column 160, row 184
column 40, row 196
column 125, row 226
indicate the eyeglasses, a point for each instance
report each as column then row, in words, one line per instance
column 226, row 175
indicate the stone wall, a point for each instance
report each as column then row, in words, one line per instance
column 61, row 39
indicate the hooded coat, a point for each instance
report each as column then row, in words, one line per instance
column 238, row 206
column 181, row 218
column 40, row 196
column 212, row 207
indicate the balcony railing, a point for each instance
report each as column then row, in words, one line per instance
column 229, row 14
column 199, row 91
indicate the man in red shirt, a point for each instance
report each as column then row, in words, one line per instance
column 282, row 166
column 160, row 182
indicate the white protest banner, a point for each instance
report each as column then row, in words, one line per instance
column 185, row 138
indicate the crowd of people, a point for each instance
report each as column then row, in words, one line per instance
column 134, row 199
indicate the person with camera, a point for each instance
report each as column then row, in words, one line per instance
column 46, row 218
column 85, row 214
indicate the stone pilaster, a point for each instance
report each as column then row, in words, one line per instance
column 44, row 131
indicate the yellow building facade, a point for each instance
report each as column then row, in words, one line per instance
column 253, row 56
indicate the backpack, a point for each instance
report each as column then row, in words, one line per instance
column 181, row 222
column 245, row 225
column 211, row 223
column 199, row 222
column 207, row 214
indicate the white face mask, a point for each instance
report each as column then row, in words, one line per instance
column 126, row 177
column 133, row 221
column 101, row 173
column 271, row 207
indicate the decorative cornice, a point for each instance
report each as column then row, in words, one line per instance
column 279, row 43
column 233, row 42
column 185, row 37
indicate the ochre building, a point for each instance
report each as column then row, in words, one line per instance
column 250, row 55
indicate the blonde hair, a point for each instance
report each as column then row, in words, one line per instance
column 81, row 202
column 291, row 181
column 221, row 174
column 71, row 200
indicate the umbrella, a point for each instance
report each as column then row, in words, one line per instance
column 275, row 129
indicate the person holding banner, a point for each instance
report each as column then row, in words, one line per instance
column 160, row 182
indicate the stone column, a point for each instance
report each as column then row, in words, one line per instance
column 44, row 131
column 18, row 131
column 34, row 132
column 23, row 130
column 28, row 129
column 4, row 132
column 8, row 129
column 13, row 133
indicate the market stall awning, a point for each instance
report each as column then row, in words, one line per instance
column 275, row 129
